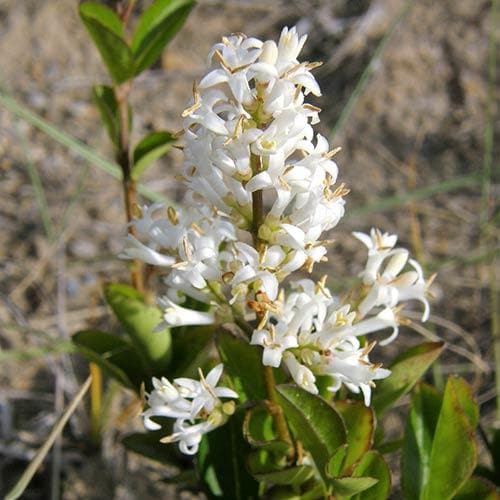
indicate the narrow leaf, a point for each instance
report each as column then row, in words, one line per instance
column 407, row 369
column 373, row 465
column 314, row 422
column 140, row 320
column 106, row 30
column 417, row 443
column 454, row 450
column 114, row 355
column 156, row 27
column 150, row 148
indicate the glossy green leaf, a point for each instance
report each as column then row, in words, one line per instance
column 114, row 355
column 477, row 489
column 222, row 461
column 148, row 445
column 294, row 476
column 243, row 362
column 139, row 321
column 349, row 486
column 417, row 443
column 104, row 98
column 190, row 349
column 314, row 422
column 106, row 30
column 454, row 450
column 150, row 148
column 156, row 27
column 336, row 463
column 373, row 465
column 406, row 370
column 360, row 425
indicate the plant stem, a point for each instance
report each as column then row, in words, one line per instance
column 129, row 185
column 269, row 381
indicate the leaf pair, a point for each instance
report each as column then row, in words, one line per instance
column 156, row 27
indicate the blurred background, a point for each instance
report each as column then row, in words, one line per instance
column 409, row 93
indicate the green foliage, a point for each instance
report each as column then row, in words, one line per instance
column 439, row 451
column 406, row 371
column 140, row 321
column 360, row 426
column 148, row 445
column 156, row 27
column 350, row 486
column 477, row 489
column 314, row 422
column 152, row 147
column 221, row 462
column 373, row 465
column 116, row 356
column 242, row 362
column 104, row 98
column 106, row 29
column 190, row 349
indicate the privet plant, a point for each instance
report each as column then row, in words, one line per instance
column 249, row 364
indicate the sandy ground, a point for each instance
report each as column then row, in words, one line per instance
column 420, row 121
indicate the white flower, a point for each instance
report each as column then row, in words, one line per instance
column 301, row 375
column 195, row 404
column 175, row 315
column 274, row 343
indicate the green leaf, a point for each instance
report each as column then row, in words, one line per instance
column 417, row 443
column 243, row 363
column 150, row 148
column 157, row 26
column 190, row 349
column 106, row 30
column 454, row 450
column 314, row 422
column 406, row 371
column 294, row 476
column 349, row 486
column 360, row 425
column 222, row 461
column 477, row 489
column 148, row 445
column 114, row 355
column 373, row 465
column 336, row 463
column 140, row 320
column 104, row 97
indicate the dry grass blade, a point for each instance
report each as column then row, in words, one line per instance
column 390, row 202
column 367, row 72
column 33, row 466
column 71, row 143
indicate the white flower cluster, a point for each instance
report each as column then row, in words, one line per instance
column 316, row 335
column 195, row 405
column 261, row 192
